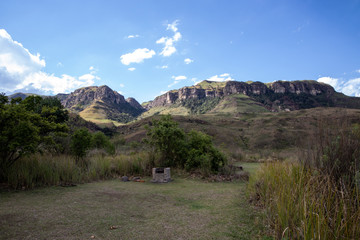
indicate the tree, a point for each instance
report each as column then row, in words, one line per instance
column 80, row 143
column 28, row 126
column 203, row 154
column 101, row 141
column 18, row 133
column 168, row 140
column 191, row 151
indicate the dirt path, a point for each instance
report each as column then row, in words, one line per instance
column 183, row 209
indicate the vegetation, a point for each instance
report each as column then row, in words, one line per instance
column 200, row 106
column 28, row 126
column 318, row 198
column 183, row 209
column 191, row 151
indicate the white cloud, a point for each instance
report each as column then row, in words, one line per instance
column 133, row 36
column 188, row 60
column 331, row 81
column 22, row 70
column 164, row 67
column 221, row 78
column 350, row 88
column 177, row 79
column 122, row 85
column 358, row 71
column 168, row 42
column 137, row 56
column 131, row 69
column 172, row 26
column 91, row 68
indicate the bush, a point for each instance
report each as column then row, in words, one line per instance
column 101, row 141
column 191, row 151
column 80, row 143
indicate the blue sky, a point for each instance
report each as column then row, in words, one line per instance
column 143, row 48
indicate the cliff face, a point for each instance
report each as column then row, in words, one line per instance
column 134, row 103
column 255, row 89
column 94, row 101
column 87, row 95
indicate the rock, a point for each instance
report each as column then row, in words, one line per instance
column 310, row 87
column 124, row 179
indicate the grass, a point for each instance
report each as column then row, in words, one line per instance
column 303, row 204
column 48, row 170
column 182, row 209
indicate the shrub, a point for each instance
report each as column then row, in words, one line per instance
column 80, row 143
column 191, row 151
column 168, row 139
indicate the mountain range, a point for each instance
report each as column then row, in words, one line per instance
column 105, row 107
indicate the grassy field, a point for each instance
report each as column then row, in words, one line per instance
column 182, row 209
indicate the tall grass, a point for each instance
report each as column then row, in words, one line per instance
column 303, row 204
column 47, row 170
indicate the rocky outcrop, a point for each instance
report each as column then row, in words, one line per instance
column 313, row 88
column 102, row 99
column 134, row 103
column 310, row 87
column 87, row 95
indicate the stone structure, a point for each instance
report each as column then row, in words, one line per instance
column 161, row 175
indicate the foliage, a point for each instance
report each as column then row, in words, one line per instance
column 28, row 126
column 168, row 139
column 203, row 154
column 191, row 151
column 101, row 141
column 200, row 106
column 80, row 143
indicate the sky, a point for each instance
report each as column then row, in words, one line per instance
column 143, row 48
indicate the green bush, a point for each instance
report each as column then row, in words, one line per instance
column 101, row 141
column 80, row 143
column 191, row 151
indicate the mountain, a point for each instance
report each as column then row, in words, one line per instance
column 101, row 105
column 233, row 97
column 21, row 95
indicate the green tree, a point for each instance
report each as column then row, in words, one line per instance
column 168, row 140
column 191, row 151
column 18, row 133
column 52, row 121
column 203, row 154
column 80, row 143
column 101, row 141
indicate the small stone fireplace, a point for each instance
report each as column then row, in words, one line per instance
column 161, row 175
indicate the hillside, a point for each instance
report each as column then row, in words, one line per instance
column 101, row 105
column 261, row 133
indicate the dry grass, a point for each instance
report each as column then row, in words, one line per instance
column 303, row 204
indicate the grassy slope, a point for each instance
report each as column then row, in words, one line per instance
column 183, row 209
column 260, row 133
column 238, row 103
column 96, row 113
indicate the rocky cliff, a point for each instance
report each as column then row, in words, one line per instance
column 268, row 94
column 101, row 100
